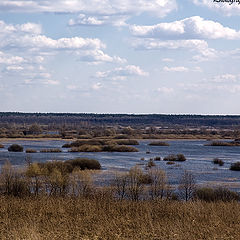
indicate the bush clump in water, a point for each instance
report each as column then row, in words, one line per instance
column 175, row 158
column 235, row 166
column 158, row 143
column 31, row 150
column 15, row 148
column 86, row 148
column 51, row 150
column 218, row 161
column 127, row 142
column 84, row 163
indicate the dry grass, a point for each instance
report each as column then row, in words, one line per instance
column 80, row 218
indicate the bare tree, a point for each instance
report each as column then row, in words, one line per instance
column 81, row 183
column 187, row 186
column 120, row 185
column 159, row 187
column 135, row 183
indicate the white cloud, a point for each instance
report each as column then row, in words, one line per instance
column 32, row 28
column 14, row 68
column 122, row 73
column 225, row 78
column 204, row 53
column 153, row 44
column 86, row 20
column 95, row 7
column 165, row 90
column 24, row 44
column 168, row 60
column 98, row 56
column 229, row 8
column 51, row 82
column 188, row 28
column 175, row 69
column 97, row 86
column 9, row 59
column 224, row 83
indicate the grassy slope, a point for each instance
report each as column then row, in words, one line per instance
column 65, row 218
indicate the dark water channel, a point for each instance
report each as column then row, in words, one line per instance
column 199, row 159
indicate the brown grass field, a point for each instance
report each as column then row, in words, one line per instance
column 104, row 218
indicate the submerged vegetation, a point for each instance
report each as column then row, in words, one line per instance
column 1, row 146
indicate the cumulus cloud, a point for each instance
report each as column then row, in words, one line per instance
column 27, row 38
column 165, row 90
column 188, row 28
column 222, row 83
column 98, row 56
column 9, row 59
column 107, row 7
column 122, row 73
column 88, row 20
column 227, row 8
column 168, row 60
column 225, row 78
column 175, row 69
column 97, row 86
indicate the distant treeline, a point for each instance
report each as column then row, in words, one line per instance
column 119, row 119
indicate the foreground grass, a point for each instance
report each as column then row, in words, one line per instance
column 103, row 218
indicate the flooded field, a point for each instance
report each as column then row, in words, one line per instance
column 199, row 159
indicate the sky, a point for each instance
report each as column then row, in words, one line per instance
column 128, row 56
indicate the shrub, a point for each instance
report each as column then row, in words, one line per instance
column 121, row 136
column 31, row 150
column 219, row 194
column 48, row 168
column 151, row 163
column 218, row 161
column 86, row 148
column 181, row 157
column 79, row 143
column 84, row 163
column 1, row 146
column 15, row 148
column 66, row 145
column 235, row 166
column 178, row 158
column 116, row 148
column 158, row 143
column 157, row 158
column 170, row 157
column 221, row 144
column 170, row 163
column 127, row 142
column 51, row 150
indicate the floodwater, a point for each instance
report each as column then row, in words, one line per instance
column 199, row 159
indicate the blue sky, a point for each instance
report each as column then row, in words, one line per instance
column 129, row 56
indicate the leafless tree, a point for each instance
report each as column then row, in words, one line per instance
column 187, row 186
column 159, row 184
